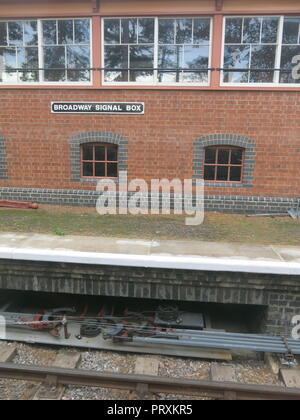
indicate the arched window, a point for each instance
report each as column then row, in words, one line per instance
column 223, row 164
column 99, row 160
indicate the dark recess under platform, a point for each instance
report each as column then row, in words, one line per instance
column 280, row 294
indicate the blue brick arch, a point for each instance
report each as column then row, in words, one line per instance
column 96, row 137
column 3, row 156
column 227, row 140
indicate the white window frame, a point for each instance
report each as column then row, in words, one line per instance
column 277, row 58
column 156, row 45
column 41, row 82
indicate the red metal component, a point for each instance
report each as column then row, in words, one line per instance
column 18, row 204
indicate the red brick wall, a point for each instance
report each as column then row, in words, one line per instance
column 160, row 142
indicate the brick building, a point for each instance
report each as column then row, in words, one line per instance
column 218, row 80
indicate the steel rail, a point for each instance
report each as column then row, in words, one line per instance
column 219, row 390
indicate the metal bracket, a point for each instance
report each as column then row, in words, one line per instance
column 289, row 356
column 95, row 6
column 219, row 5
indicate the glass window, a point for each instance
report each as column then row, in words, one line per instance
column 64, row 46
column 157, row 50
column 290, row 51
column 99, row 160
column 185, row 47
column 262, row 50
column 223, row 164
column 129, row 46
column 250, row 49
column 66, row 50
column 19, row 52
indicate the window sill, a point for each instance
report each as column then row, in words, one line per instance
column 96, row 180
column 227, row 184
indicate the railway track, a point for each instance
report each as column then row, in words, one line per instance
column 48, row 374
column 54, row 376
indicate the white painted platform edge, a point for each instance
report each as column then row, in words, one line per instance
column 152, row 261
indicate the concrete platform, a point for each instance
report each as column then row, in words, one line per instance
column 187, row 255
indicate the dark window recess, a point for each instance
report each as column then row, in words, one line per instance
column 223, row 164
column 99, row 160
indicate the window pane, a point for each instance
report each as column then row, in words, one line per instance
column 166, row 31
column 193, row 77
column 100, row 153
column 146, row 31
column 49, row 32
column 116, row 57
column 141, row 57
column 288, row 53
column 54, row 58
column 263, row 57
column 129, row 31
column 201, row 31
column 112, row 170
column 87, row 169
column 100, row 169
column 235, row 173
column 3, row 34
column 82, row 31
column 233, row 31
column 269, row 30
column 9, row 61
column 112, row 153
column 169, row 77
column 65, row 32
column 251, row 34
column 170, row 57
column 78, row 58
column 195, row 57
column 291, row 31
column 209, row 173
column 236, row 57
column 237, row 157
column 87, row 152
column 30, row 33
column 184, row 31
column 28, row 58
column 112, row 31
column 210, row 155
column 223, row 156
column 15, row 33
column 222, row 173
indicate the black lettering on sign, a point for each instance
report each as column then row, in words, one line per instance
column 98, row 108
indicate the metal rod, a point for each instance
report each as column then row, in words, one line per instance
column 210, row 344
column 145, row 69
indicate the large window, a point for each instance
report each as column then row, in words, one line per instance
column 99, row 160
column 223, row 164
column 45, row 51
column 261, row 50
column 157, row 51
